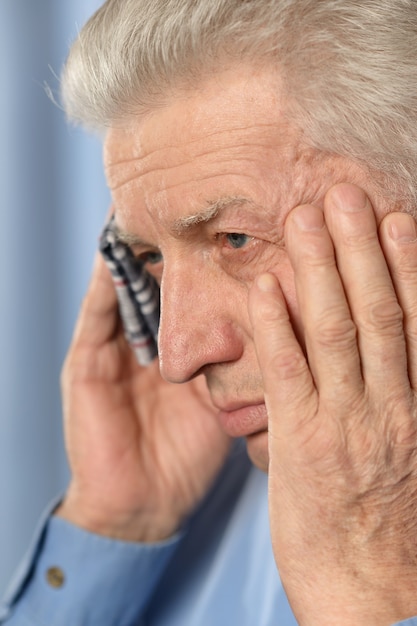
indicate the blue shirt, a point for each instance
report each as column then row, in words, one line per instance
column 218, row 570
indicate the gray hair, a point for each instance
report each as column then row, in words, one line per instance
column 349, row 68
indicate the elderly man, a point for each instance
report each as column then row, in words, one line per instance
column 262, row 158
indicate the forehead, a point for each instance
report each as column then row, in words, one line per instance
column 239, row 102
column 228, row 138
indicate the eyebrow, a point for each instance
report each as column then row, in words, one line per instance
column 210, row 212
column 129, row 239
column 188, row 222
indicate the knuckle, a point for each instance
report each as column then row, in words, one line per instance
column 406, row 270
column 384, row 316
column 360, row 241
column 340, row 333
column 318, row 259
column 399, row 417
column 289, row 363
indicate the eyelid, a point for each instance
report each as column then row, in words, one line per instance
column 230, row 233
column 157, row 254
column 138, row 249
column 141, row 253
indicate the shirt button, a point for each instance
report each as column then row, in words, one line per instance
column 55, row 577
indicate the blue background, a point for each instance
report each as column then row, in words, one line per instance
column 53, row 200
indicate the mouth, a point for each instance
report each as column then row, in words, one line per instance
column 244, row 421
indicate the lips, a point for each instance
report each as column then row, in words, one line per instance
column 243, row 421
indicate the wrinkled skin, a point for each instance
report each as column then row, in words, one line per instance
column 213, row 190
column 342, row 413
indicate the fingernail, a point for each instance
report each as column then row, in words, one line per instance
column 308, row 218
column 349, row 198
column 403, row 228
column 266, row 283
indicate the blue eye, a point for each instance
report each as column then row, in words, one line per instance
column 153, row 258
column 237, row 240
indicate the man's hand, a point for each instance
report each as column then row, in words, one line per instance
column 343, row 413
column 143, row 452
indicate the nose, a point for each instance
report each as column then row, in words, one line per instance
column 198, row 325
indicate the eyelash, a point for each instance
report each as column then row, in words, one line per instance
column 154, row 258
column 151, row 258
column 230, row 236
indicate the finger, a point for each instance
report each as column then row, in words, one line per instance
column 398, row 235
column 368, row 286
column 330, row 334
column 98, row 320
column 288, row 386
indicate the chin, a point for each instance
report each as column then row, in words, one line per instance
column 257, row 446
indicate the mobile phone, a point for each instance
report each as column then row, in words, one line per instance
column 137, row 294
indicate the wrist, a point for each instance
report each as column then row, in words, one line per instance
column 132, row 526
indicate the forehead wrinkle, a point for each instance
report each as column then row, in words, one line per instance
column 140, row 162
column 116, row 182
column 248, row 131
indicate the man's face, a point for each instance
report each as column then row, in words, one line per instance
column 203, row 186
